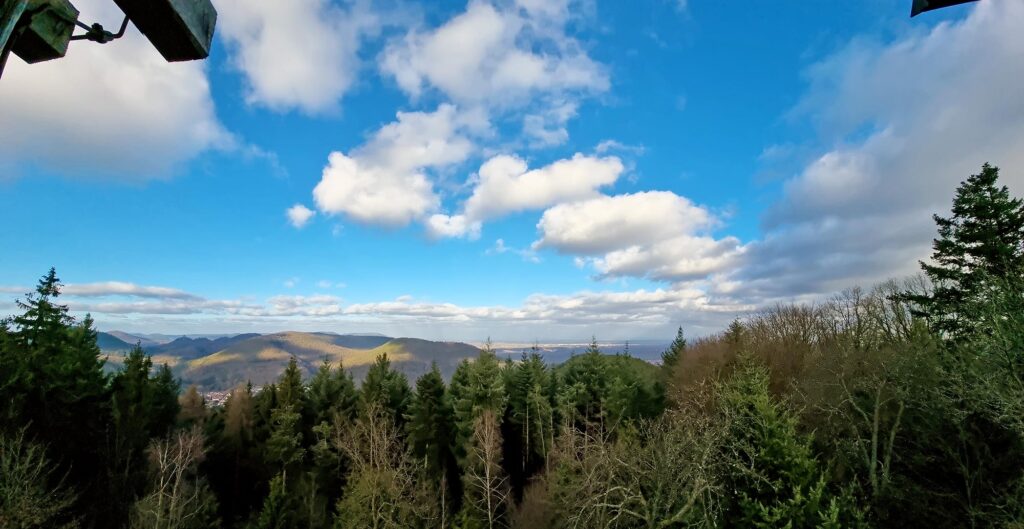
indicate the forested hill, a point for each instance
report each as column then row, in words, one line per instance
column 221, row 363
column 895, row 406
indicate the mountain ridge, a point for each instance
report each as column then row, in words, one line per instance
column 221, row 363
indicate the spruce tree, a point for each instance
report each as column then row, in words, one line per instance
column 52, row 382
column 979, row 245
column 290, row 391
column 163, row 401
column 284, row 447
column 584, row 389
column 330, row 404
column 385, row 387
column 670, row 358
column 735, row 335
column 264, row 403
column 130, row 397
column 772, row 474
column 430, row 430
column 476, row 387
column 429, row 423
column 528, row 422
column 278, row 510
column 331, row 394
column 458, row 398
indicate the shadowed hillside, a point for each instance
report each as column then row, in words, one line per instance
column 187, row 348
column 110, row 342
column 129, row 338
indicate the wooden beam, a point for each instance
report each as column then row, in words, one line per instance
column 920, row 6
column 48, row 25
column 181, row 30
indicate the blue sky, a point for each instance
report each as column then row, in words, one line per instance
column 521, row 169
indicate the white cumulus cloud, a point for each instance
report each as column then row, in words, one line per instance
column 300, row 54
column 118, row 110
column 299, row 215
column 504, row 184
column 494, row 56
column 440, row 225
column 936, row 105
column 384, row 181
column 651, row 234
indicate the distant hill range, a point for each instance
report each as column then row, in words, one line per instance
column 220, row 363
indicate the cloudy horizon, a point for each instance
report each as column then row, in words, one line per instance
column 521, row 170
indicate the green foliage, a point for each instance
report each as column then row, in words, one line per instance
column 981, row 242
column 584, row 380
column 289, row 388
column 776, row 479
column 331, row 395
column 143, row 405
column 284, row 447
column 263, row 407
column 331, row 399
column 385, row 387
column 670, row 358
column 476, row 387
column 279, row 510
column 163, row 401
column 52, row 385
column 430, row 432
column 605, row 392
column 529, row 422
column 894, row 407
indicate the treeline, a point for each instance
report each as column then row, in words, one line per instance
column 901, row 406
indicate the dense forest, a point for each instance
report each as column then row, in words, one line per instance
column 897, row 406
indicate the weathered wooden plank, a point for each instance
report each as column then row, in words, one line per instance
column 10, row 14
column 920, row 6
column 48, row 29
column 181, row 30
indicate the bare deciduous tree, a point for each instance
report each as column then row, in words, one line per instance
column 383, row 490
column 487, row 487
column 663, row 475
column 180, row 498
column 27, row 498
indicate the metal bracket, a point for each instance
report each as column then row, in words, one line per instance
column 96, row 33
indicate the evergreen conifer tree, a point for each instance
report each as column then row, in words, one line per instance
column 290, row 391
column 529, row 420
column 52, row 384
column 278, row 510
column 670, row 358
column 430, row 436
column 773, row 477
column 284, row 447
column 979, row 245
column 163, row 401
column 386, row 387
column 479, row 387
column 331, row 394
